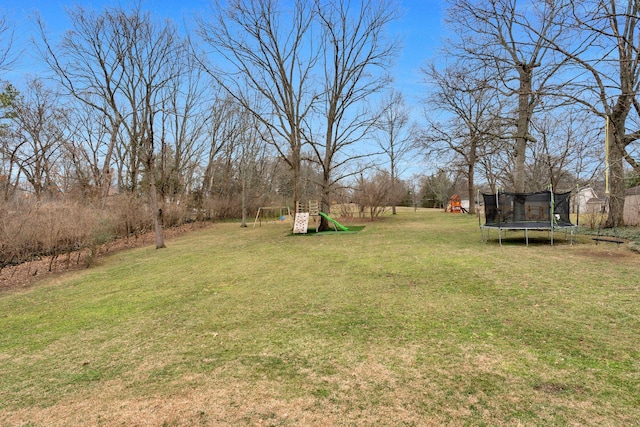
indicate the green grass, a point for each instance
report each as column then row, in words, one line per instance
column 411, row 321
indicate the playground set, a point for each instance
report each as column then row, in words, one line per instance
column 455, row 205
column 304, row 214
column 311, row 212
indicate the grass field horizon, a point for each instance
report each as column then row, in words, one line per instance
column 411, row 321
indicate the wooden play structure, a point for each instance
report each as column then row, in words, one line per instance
column 455, row 204
column 311, row 211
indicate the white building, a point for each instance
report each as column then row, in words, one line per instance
column 584, row 200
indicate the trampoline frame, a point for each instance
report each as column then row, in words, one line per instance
column 567, row 229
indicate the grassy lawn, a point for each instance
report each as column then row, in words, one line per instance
column 411, row 321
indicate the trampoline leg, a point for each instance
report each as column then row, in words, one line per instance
column 526, row 236
column 570, row 236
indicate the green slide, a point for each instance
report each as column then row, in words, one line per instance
column 338, row 225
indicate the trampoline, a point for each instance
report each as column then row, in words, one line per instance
column 540, row 211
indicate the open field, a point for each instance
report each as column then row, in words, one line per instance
column 412, row 321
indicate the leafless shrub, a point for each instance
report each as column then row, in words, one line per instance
column 65, row 230
column 346, row 210
column 595, row 218
column 223, row 207
column 131, row 215
column 34, row 229
column 374, row 194
column 174, row 215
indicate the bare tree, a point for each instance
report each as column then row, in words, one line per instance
column 356, row 56
column 250, row 157
column 88, row 66
column 8, row 53
column 88, row 139
column 564, row 151
column 373, row 194
column 269, row 52
column 38, row 132
column 121, row 64
column 154, row 56
column 222, row 128
column 473, row 124
column 514, row 37
column 396, row 136
column 607, row 81
column 185, row 116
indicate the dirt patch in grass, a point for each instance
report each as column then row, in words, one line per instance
column 558, row 389
column 26, row 275
column 613, row 253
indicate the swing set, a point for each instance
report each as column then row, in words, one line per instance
column 271, row 214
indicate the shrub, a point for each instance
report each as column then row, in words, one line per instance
column 374, row 194
column 31, row 229
column 132, row 217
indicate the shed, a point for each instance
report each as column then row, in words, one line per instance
column 595, row 205
column 631, row 214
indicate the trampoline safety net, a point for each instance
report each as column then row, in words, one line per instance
column 543, row 209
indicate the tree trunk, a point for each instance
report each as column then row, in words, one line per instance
column 105, row 176
column 472, row 189
column 473, row 158
column 153, row 191
column 393, row 187
column 522, row 126
column 325, row 201
column 295, row 164
column 244, row 199
column 157, row 210
column 615, row 217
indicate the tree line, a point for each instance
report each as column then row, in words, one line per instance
column 533, row 89
column 265, row 102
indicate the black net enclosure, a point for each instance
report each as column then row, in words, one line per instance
column 543, row 210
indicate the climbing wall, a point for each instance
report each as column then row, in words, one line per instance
column 301, row 223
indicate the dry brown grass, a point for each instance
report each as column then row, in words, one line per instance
column 204, row 400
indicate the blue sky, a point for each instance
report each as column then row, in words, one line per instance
column 420, row 28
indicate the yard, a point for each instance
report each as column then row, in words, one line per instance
column 412, row 321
